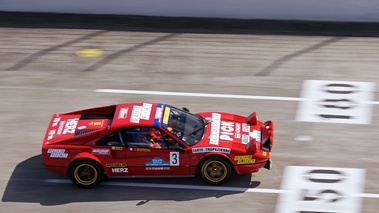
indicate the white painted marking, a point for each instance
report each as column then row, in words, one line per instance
column 45, row 88
column 179, row 186
column 304, row 138
column 142, row 92
column 321, row 189
column 336, row 102
column 368, row 195
column 188, row 94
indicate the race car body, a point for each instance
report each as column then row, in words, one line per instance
column 154, row 139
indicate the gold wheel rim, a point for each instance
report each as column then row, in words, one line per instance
column 215, row 171
column 85, row 174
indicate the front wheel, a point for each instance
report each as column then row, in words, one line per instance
column 215, row 171
column 86, row 173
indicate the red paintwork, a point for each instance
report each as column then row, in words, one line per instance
column 227, row 131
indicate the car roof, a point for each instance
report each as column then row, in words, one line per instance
column 137, row 115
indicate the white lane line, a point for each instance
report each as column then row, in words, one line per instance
column 208, row 95
column 179, row 186
column 190, row 94
column 187, row 94
column 46, row 89
column 367, row 195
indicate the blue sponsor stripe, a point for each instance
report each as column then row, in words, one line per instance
column 157, row 120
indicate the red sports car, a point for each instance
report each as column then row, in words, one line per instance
column 154, row 139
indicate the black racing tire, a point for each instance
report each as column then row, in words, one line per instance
column 215, row 171
column 86, row 173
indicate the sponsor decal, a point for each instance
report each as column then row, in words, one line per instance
column 157, row 162
column 82, row 127
column 110, row 165
column 226, row 130
column 215, row 128
column 57, row 153
column 245, row 139
column 166, row 115
column 97, row 123
column 158, row 115
column 244, row 159
column 116, row 148
column 119, row 170
column 142, row 149
column 70, row 126
column 256, row 135
column 157, row 168
column 264, row 153
column 141, row 112
column 123, row 113
column 56, row 121
column 146, row 109
column 51, row 134
column 100, row 151
column 246, row 127
column 60, row 128
column 238, row 130
column 136, row 114
column 211, row 149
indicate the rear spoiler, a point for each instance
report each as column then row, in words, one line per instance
column 267, row 134
column 252, row 119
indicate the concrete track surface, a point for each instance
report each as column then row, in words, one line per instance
column 42, row 74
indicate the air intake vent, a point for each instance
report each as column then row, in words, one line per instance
column 83, row 131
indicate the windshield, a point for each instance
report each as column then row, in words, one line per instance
column 187, row 127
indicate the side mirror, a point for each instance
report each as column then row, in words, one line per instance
column 180, row 149
column 185, row 109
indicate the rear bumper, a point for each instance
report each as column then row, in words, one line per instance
column 252, row 168
column 248, row 168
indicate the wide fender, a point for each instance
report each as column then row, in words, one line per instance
column 84, row 155
column 215, row 154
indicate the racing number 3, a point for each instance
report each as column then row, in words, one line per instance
column 174, row 158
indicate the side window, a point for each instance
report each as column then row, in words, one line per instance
column 171, row 143
column 135, row 137
column 148, row 137
column 112, row 139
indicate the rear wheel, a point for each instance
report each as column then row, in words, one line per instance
column 86, row 173
column 215, row 171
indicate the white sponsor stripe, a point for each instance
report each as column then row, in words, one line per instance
column 179, row 186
